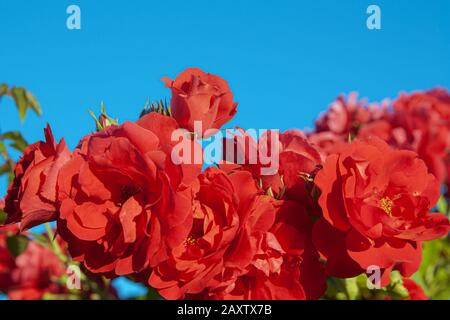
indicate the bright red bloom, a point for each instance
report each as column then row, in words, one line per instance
column 418, row 110
column 243, row 245
column 346, row 116
column 31, row 198
column 124, row 204
column 419, row 122
column 217, row 220
column 30, row 275
column 343, row 120
column 286, row 266
column 297, row 160
column 36, row 273
column 375, row 202
column 200, row 96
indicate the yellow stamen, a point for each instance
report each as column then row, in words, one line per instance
column 386, row 204
column 190, row 241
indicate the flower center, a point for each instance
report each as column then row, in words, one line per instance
column 190, row 241
column 196, row 232
column 386, row 204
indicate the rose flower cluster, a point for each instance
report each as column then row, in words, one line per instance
column 32, row 274
column 358, row 191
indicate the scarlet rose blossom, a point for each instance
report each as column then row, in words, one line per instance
column 36, row 273
column 417, row 110
column 284, row 264
column 424, row 120
column 298, row 163
column 375, row 202
column 344, row 119
column 272, row 257
column 419, row 122
column 32, row 274
column 124, row 204
column 346, row 115
column 31, row 198
column 200, row 96
column 241, row 241
column 217, row 220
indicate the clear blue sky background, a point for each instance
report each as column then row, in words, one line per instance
column 285, row 60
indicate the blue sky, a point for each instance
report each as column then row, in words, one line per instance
column 284, row 60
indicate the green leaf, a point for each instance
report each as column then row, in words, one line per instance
column 19, row 96
column 33, row 103
column 17, row 244
column 24, row 101
column 18, row 141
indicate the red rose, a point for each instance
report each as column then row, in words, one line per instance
column 217, row 219
column 280, row 262
column 31, row 197
column 418, row 110
column 30, row 275
column 200, row 96
column 297, row 163
column 286, row 266
column 346, row 115
column 419, row 122
column 243, row 245
column 36, row 272
column 124, row 204
column 344, row 119
column 375, row 202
